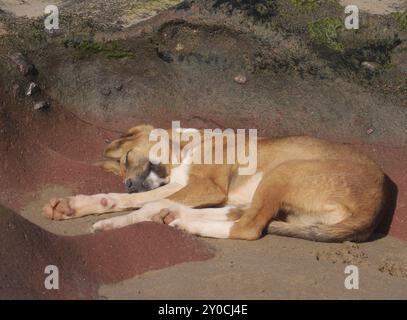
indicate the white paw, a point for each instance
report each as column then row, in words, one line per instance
column 102, row 225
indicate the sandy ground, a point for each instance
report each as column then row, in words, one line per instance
column 378, row 6
column 31, row 9
column 277, row 268
column 270, row 268
column 131, row 14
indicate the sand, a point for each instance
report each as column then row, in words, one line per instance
column 30, row 9
column 377, row 6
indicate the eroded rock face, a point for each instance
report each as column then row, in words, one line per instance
column 184, row 62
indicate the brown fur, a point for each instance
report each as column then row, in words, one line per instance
column 310, row 188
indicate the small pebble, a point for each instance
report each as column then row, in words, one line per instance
column 32, row 88
column 25, row 68
column 41, row 105
column 371, row 66
column 179, row 47
column 370, row 131
column 240, row 78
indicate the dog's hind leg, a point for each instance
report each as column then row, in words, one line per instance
column 238, row 223
column 204, row 227
column 208, row 222
column 226, row 213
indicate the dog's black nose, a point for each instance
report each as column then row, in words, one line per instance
column 129, row 183
column 133, row 186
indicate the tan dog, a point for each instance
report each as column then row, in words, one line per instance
column 304, row 187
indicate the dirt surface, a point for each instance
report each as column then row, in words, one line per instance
column 378, row 7
column 102, row 73
column 277, row 268
column 31, row 9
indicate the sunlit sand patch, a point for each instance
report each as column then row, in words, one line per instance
column 377, row 6
column 140, row 10
column 30, row 9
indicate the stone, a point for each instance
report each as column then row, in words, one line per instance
column 32, row 89
column 25, row 68
column 371, row 66
column 41, row 105
column 241, row 79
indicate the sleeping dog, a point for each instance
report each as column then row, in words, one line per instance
column 303, row 187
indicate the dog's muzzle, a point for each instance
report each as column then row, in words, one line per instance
column 134, row 186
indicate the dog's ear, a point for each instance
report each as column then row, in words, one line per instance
column 119, row 147
column 112, row 166
column 144, row 128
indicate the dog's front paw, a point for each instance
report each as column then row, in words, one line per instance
column 58, row 209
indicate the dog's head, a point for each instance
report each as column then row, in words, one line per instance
column 129, row 158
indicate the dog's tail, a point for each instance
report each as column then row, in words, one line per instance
column 346, row 230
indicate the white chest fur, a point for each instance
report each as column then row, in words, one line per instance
column 180, row 174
